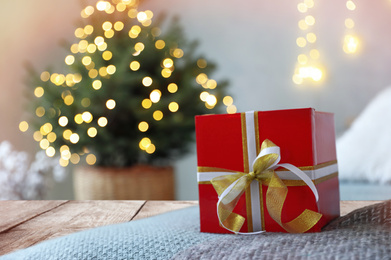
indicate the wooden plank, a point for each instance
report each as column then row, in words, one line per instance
column 155, row 207
column 68, row 218
column 348, row 206
column 13, row 213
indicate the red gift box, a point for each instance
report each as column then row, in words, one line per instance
column 231, row 142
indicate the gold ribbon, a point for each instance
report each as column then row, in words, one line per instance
column 231, row 187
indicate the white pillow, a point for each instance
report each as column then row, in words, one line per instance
column 364, row 150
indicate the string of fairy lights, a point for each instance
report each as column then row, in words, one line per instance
column 45, row 136
column 351, row 41
column 308, row 66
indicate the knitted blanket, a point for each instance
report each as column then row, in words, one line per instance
column 362, row 234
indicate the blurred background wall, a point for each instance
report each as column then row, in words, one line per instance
column 253, row 43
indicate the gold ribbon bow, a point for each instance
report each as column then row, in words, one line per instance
column 231, row 187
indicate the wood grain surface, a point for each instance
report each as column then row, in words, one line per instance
column 25, row 223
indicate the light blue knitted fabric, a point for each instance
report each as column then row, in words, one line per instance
column 159, row 237
column 362, row 234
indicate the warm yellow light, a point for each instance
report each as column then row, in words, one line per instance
column 132, row 13
column 97, row 84
column 211, row 100
column 103, row 71
column 101, row 5
column 149, row 14
column 78, row 119
column 102, row 46
column 134, row 65
column 86, row 60
column 302, row 25
column 63, row 121
column 88, row 29
column 310, row 20
column 310, row 72
column 309, row 3
column 146, row 103
column 67, row 134
column 74, row 138
column 135, row 29
column 121, row 7
column 172, row 87
column 211, row 84
column 160, row 44
column 350, row 5
column 107, row 55
column 139, row 46
column 147, row 81
column 168, row 63
column 92, row 132
column 111, row 69
column 109, row 34
column 93, row 73
column 228, row 100
column 311, row 37
column 38, row 92
column 146, row 23
column 65, row 155
column 118, row 26
column 141, row 17
column 40, row 111
column 201, row 63
column 314, row 54
column 178, row 53
column 156, row 32
column 63, row 163
column 50, row 151
column 157, row 115
column 46, row 128
column 166, row 73
column 87, row 117
column 102, row 121
column 23, row 126
column 173, row 106
column 51, row 137
column 85, row 102
column 143, row 126
column 69, row 60
column 75, row 158
column 351, row 44
column 144, row 143
column 302, row 59
column 297, row 79
column 37, row 136
column 301, row 42
column 91, row 159
column 89, row 10
column 107, row 26
column 201, row 78
column 74, row 48
column 64, row 148
column 83, row 45
column 349, row 23
column 45, row 76
column 302, row 7
column 44, row 143
column 204, row 95
column 110, row 104
column 231, row 109
column 150, row 149
column 79, row 32
column 155, row 95
column 99, row 40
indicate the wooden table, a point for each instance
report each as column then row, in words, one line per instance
column 25, row 223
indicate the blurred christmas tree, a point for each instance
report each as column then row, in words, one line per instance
column 130, row 91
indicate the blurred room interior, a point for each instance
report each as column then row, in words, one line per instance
column 333, row 56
